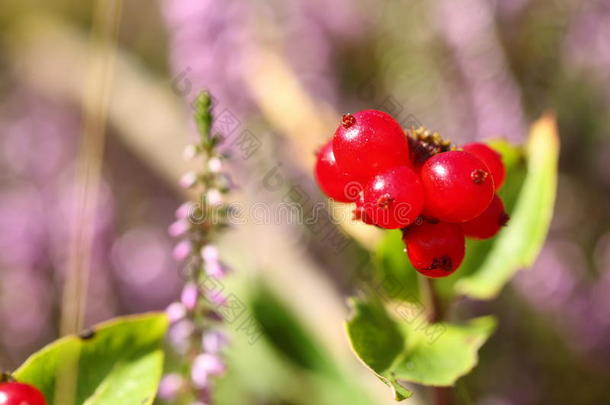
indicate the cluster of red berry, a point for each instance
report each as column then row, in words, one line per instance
column 14, row 393
column 437, row 194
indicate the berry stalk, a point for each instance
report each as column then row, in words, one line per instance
column 436, row 313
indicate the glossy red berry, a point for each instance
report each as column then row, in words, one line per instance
column 369, row 142
column 333, row 182
column 435, row 249
column 457, row 185
column 491, row 158
column 393, row 198
column 359, row 214
column 14, row 393
column 488, row 223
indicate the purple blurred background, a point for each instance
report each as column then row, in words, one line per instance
column 472, row 70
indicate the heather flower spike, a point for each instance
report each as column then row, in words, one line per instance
column 195, row 332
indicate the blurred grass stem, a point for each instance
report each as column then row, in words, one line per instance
column 95, row 100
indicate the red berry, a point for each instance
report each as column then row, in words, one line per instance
column 359, row 212
column 369, row 142
column 14, row 393
column 491, row 158
column 393, row 198
column 435, row 249
column 488, row 223
column 457, row 186
column 333, row 182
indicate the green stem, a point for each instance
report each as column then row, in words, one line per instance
column 436, row 313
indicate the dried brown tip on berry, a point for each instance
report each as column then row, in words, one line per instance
column 479, row 176
column 424, row 144
column 503, row 220
column 431, row 220
column 384, row 201
column 442, row 263
column 347, row 120
column 6, row 377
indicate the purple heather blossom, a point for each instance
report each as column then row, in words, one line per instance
column 211, row 262
column 178, row 228
column 141, row 258
column 210, row 364
column 199, row 375
column 209, row 49
column 468, row 28
column 175, row 311
column 209, row 253
column 182, row 212
column 212, row 43
column 169, row 386
column 189, row 296
column 188, row 180
column 214, row 341
column 182, row 250
column 586, row 45
column 179, row 335
column 214, row 197
column 189, row 153
column 215, row 165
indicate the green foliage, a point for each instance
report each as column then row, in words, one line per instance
column 416, row 351
column 323, row 381
column 394, row 277
column 518, row 245
column 285, row 333
column 118, row 362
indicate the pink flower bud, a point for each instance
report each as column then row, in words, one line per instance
column 178, row 228
column 189, row 296
column 188, row 180
column 182, row 250
column 214, row 341
column 212, row 364
column 169, row 386
column 175, row 311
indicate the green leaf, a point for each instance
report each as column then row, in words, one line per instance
column 322, row 380
column 518, row 245
column 416, row 351
column 394, row 276
column 377, row 341
column 118, row 362
column 285, row 332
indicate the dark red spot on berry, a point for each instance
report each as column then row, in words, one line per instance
column 503, row 220
column 492, row 160
column 384, row 201
column 442, row 263
column 435, row 250
column 478, row 176
column 347, row 120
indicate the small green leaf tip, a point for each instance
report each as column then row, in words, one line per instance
column 203, row 115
